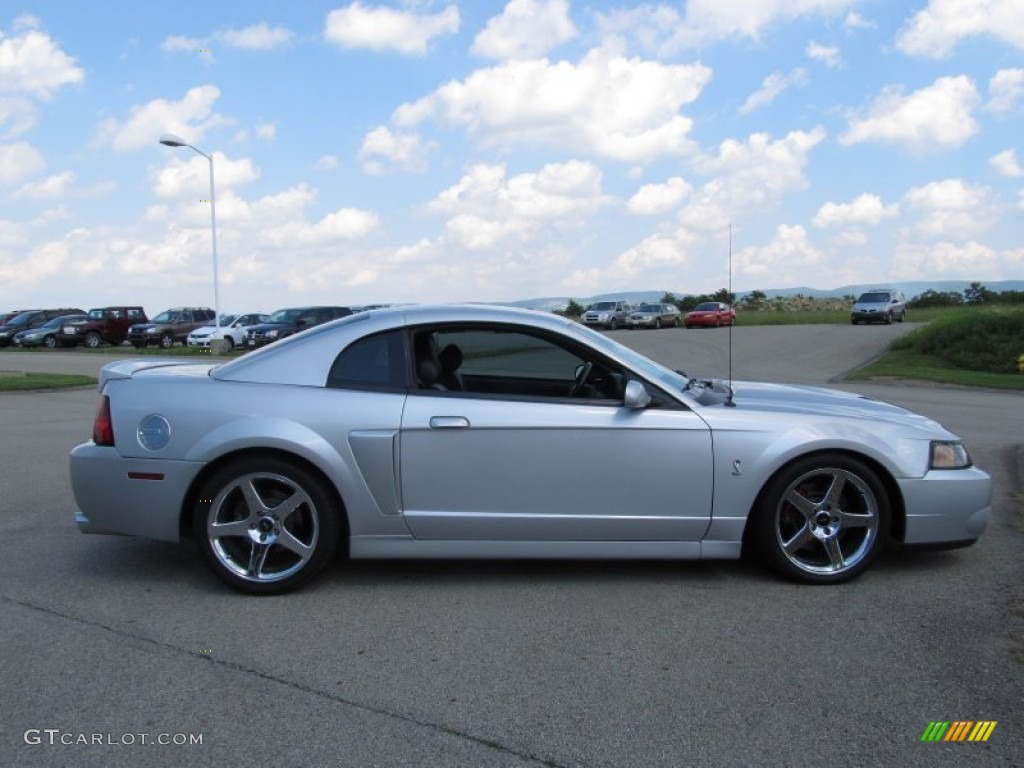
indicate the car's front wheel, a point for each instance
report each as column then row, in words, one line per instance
column 265, row 525
column 821, row 519
column 50, row 341
column 166, row 341
column 92, row 340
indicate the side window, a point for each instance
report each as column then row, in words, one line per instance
column 502, row 362
column 376, row 362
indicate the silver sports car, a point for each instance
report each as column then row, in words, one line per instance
column 488, row 432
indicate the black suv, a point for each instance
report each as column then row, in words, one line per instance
column 285, row 322
column 32, row 318
column 169, row 326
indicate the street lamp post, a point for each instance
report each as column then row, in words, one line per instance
column 170, row 140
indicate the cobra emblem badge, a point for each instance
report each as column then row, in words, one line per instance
column 736, row 468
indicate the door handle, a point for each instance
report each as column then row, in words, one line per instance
column 449, row 422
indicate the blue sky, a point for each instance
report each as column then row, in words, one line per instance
column 454, row 151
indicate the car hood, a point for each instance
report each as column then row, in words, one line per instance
column 269, row 326
column 803, row 400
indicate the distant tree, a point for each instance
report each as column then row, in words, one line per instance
column 932, row 298
column 977, row 293
column 723, row 295
column 669, row 298
column 755, row 300
column 1010, row 297
column 573, row 309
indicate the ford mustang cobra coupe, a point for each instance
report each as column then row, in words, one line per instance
column 490, row 432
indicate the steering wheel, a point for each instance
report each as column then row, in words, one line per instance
column 581, row 376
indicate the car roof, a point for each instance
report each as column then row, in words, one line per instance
column 306, row 357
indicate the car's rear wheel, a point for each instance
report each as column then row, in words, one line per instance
column 92, row 340
column 167, row 341
column 820, row 520
column 266, row 526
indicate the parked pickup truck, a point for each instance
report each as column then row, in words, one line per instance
column 105, row 325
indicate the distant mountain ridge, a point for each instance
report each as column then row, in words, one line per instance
column 911, row 289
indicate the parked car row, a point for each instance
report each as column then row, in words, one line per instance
column 623, row 314
column 192, row 326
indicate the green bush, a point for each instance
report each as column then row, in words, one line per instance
column 973, row 339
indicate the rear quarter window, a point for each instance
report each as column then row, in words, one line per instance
column 376, row 362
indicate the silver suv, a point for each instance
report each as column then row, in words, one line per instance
column 879, row 305
column 608, row 314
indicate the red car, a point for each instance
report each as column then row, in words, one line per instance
column 710, row 314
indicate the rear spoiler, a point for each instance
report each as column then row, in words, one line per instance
column 125, row 369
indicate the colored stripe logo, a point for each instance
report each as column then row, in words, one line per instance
column 959, row 730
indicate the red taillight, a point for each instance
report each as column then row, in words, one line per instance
column 103, row 427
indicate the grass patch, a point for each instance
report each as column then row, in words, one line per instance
column 970, row 346
column 903, row 364
column 20, row 381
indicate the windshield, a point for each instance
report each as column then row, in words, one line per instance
column 166, row 317
column 603, row 305
column 285, row 316
column 97, row 314
column 56, row 322
column 649, row 308
column 878, row 297
column 707, row 306
column 21, row 319
column 644, row 365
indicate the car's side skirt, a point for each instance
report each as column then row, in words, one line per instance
column 403, row 547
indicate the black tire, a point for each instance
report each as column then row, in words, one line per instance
column 612, row 325
column 854, row 322
column 242, row 498
column 229, row 343
column 166, row 341
column 50, row 341
column 718, row 322
column 675, row 323
column 92, row 340
column 799, row 532
column 888, row 318
column 902, row 317
column 657, row 323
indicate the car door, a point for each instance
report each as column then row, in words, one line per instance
column 513, row 457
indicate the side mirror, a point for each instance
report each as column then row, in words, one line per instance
column 636, row 395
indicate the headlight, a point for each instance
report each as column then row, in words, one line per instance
column 947, row 454
column 272, row 334
column 151, row 330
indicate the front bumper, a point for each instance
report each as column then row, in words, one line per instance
column 113, row 502
column 947, row 507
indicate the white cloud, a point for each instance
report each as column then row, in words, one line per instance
column 967, row 261
column 525, row 29
column 256, row 37
column 1006, row 164
column 788, row 259
column 1005, row 89
column 951, row 209
column 266, row 131
column 18, row 113
column 608, row 105
column 827, row 54
column 327, row 163
column 31, row 63
column 936, row 117
column 52, row 187
column 652, row 199
column 192, row 176
column 384, row 150
column 748, row 177
column 662, row 29
column 190, row 118
column 181, row 44
column 385, row 29
column 486, row 206
column 18, row 161
column 854, row 20
column 936, row 30
column 864, row 209
column 771, row 87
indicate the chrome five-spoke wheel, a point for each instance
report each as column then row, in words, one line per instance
column 265, row 526
column 821, row 519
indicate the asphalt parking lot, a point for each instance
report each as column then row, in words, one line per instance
column 114, row 644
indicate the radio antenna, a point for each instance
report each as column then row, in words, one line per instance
column 732, row 322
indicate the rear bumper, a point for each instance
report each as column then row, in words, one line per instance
column 132, row 497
